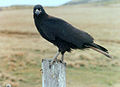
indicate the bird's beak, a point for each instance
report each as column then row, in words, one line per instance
column 37, row 12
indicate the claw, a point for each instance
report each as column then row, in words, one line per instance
column 51, row 63
column 54, row 59
column 60, row 61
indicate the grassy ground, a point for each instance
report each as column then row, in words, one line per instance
column 22, row 48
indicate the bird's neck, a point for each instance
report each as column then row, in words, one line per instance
column 41, row 17
column 38, row 19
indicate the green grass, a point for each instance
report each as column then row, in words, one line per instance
column 97, row 76
column 76, row 77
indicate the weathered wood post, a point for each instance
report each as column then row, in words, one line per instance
column 54, row 76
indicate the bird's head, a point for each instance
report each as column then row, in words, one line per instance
column 38, row 10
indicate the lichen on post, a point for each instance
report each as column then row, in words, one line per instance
column 54, row 76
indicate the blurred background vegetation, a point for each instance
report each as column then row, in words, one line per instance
column 22, row 48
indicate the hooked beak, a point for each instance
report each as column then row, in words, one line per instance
column 37, row 12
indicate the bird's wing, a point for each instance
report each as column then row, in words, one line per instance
column 56, row 27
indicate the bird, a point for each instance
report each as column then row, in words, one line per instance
column 63, row 35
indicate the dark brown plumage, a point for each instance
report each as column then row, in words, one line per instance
column 62, row 34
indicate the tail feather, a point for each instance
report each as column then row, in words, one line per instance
column 99, row 49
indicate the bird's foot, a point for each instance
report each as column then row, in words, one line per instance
column 56, row 60
column 61, row 61
column 51, row 63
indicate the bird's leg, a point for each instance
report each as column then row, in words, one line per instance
column 62, row 58
column 54, row 58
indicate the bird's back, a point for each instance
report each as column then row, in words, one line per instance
column 58, row 28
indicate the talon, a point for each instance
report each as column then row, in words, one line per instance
column 50, row 65
column 54, row 61
column 61, row 61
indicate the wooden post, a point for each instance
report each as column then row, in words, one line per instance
column 54, row 76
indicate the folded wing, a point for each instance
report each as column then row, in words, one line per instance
column 56, row 27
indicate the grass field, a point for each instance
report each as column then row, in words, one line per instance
column 22, row 48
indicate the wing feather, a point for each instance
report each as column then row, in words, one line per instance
column 55, row 27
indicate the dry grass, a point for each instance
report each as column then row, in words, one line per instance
column 22, row 48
